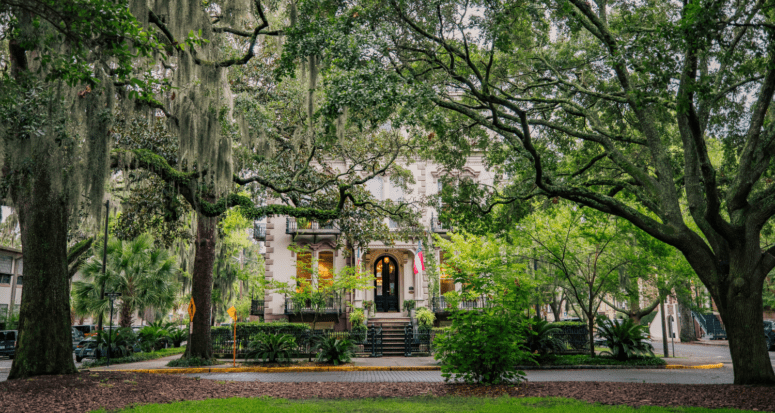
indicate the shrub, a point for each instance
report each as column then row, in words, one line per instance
column 483, row 347
column 121, row 344
column 624, row 338
column 178, row 336
column 271, row 348
column 452, row 298
column 357, row 317
column 253, row 328
column 409, row 305
column 540, row 337
column 425, row 317
column 368, row 306
column 191, row 362
column 334, row 350
column 153, row 337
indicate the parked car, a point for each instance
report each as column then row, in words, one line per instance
column 86, row 349
column 77, row 337
column 88, row 330
column 769, row 333
column 8, row 343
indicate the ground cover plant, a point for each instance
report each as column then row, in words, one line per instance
column 412, row 405
column 271, row 348
column 626, row 339
column 165, row 352
column 586, row 360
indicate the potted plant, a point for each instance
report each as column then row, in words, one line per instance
column 368, row 306
column 409, row 306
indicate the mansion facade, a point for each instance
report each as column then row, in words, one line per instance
column 392, row 266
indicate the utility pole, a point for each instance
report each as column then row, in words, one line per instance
column 104, row 261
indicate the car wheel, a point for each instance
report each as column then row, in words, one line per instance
column 78, row 359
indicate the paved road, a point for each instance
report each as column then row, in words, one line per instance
column 699, row 353
column 716, row 376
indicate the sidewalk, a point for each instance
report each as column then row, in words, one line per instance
column 161, row 364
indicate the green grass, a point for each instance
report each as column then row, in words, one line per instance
column 408, row 405
column 134, row 358
column 583, row 359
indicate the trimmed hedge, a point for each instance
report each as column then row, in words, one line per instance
column 569, row 324
column 252, row 328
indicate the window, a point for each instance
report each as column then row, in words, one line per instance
column 326, row 268
column 447, row 284
column 5, row 279
column 3, row 310
column 6, row 264
column 303, row 270
column 19, row 280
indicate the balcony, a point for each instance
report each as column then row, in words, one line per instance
column 440, row 305
column 436, row 226
column 330, row 305
column 259, row 232
column 294, row 227
column 257, row 307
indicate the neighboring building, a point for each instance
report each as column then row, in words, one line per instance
column 391, row 265
column 11, row 280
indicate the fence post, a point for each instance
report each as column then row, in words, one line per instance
column 408, row 333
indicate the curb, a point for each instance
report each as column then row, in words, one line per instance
column 279, row 369
column 591, row 367
column 702, row 367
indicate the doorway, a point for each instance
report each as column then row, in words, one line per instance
column 386, row 285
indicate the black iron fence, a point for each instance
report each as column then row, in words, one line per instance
column 575, row 337
column 442, row 305
column 419, row 341
column 257, row 307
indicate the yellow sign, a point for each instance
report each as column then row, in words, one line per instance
column 233, row 313
column 191, row 308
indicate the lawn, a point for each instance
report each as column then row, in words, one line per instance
column 410, row 405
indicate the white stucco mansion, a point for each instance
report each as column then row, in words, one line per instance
column 392, row 266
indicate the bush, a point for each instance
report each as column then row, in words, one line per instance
column 178, row 336
column 425, row 317
column 540, row 337
column 357, row 317
column 624, row 338
column 587, row 360
column 191, row 362
column 334, row 350
column 271, row 348
column 409, row 305
column 120, row 344
column 359, row 333
column 483, row 347
column 153, row 337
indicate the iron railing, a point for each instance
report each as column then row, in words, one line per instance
column 259, row 232
column 439, row 304
column 437, row 226
column 223, row 341
column 310, row 227
column 575, row 339
column 418, row 340
column 331, row 305
column 257, row 307
column 374, row 344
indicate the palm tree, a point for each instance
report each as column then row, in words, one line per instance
column 143, row 274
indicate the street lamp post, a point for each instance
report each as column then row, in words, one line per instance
column 112, row 296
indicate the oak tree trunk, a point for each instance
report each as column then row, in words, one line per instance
column 45, row 341
column 199, row 343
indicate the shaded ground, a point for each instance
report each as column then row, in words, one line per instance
column 92, row 390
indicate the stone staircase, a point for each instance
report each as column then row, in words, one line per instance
column 392, row 334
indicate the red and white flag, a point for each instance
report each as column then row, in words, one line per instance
column 419, row 261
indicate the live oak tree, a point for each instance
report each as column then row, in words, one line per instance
column 615, row 106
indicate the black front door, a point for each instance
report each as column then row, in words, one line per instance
column 386, row 285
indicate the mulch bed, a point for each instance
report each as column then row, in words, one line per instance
column 92, row 390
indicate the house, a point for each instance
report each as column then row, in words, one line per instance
column 11, row 281
column 392, row 265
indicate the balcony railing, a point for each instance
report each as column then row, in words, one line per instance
column 437, row 226
column 310, row 227
column 331, row 305
column 259, row 232
column 440, row 304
